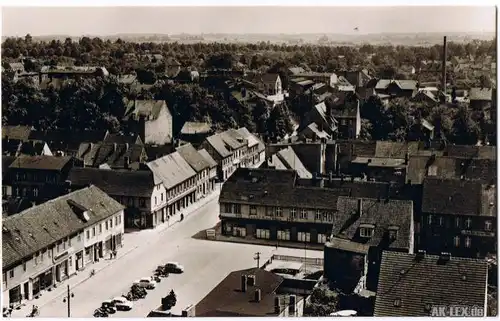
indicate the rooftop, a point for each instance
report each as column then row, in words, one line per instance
column 193, row 157
column 409, row 284
column 41, row 162
column 171, row 170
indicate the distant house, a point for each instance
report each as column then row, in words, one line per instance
column 287, row 159
column 329, row 78
column 172, row 68
column 418, row 285
column 480, row 98
column 21, row 133
column 17, row 67
column 112, row 155
column 67, row 142
column 321, row 114
column 358, row 78
column 362, row 229
column 293, row 71
column 14, row 147
column 426, row 96
column 396, row 88
column 202, row 168
column 344, row 108
column 195, row 132
column 313, row 132
column 151, row 120
column 267, row 84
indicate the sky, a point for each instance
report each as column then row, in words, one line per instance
column 77, row 21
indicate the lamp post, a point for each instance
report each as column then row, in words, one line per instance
column 257, row 258
column 67, row 299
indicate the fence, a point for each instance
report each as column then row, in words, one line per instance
column 308, row 260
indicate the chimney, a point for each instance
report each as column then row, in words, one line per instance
column 251, row 280
column 277, row 305
column 443, row 76
column 127, row 146
column 257, row 295
column 331, row 177
column 360, row 206
column 292, row 307
column 444, row 257
column 115, row 145
column 243, row 283
column 407, row 157
column 420, row 255
column 127, row 162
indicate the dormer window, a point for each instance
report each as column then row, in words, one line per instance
column 366, row 230
column 393, row 232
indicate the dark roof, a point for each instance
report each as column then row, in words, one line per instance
column 380, row 213
column 16, row 132
column 395, row 149
column 194, row 159
column 157, row 151
column 113, row 154
column 41, row 162
column 6, row 161
column 148, row 108
column 357, row 148
column 122, row 139
column 226, row 299
column 487, row 152
column 458, row 197
column 419, row 282
column 264, row 78
column 208, row 158
column 67, row 140
column 114, row 182
column 39, row 227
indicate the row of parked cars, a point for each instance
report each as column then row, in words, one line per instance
column 137, row 291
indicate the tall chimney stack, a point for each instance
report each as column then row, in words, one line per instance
column 445, row 55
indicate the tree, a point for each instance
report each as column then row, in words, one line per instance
column 169, row 301
column 366, row 130
column 323, row 302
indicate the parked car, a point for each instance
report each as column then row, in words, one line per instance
column 147, row 283
column 122, row 304
column 108, row 307
column 174, row 267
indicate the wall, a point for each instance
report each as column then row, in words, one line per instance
column 157, row 129
column 116, row 229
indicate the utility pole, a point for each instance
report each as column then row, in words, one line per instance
column 257, row 257
column 67, row 298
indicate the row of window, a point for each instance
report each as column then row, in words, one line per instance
column 279, row 212
column 467, row 223
column 25, row 191
column 108, row 224
column 36, row 177
column 285, row 235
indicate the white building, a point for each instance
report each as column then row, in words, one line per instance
column 48, row 243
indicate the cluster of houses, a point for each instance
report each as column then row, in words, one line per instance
column 374, row 207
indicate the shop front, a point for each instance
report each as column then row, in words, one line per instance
column 61, row 264
column 45, row 280
column 15, row 296
column 79, row 261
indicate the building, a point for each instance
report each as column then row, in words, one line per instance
column 40, row 178
column 19, row 133
column 48, row 243
column 67, row 142
column 417, row 285
column 178, row 179
column 267, row 84
column 362, row 229
column 480, row 98
column 322, row 115
column 202, row 168
column 112, row 155
column 458, row 217
column 195, row 132
column 11, row 147
column 344, row 109
column 250, row 293
column 287, row 159
column 328, row 78
column 313, row 132
column 151, row 120
column 255, row 153
column 144, row 201
column 212, row 174
column 221, row 153
column 396, row 88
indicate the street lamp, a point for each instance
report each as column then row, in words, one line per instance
column 67, row 298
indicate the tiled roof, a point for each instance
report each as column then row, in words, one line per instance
column 296, row 70
column 16, row 132
column 358, row 148
column 408, row 285
column 233, row 139
column 114, row 182
column 208, row 158
column 218, row 145
column 171, row 170
column 458, row 197
column 487, row 152
column 251, row 138
column 382, row 214
column 292, row 161
column 148, row 108
column 190, row 128
column 122, row 139
column 395, row 149
column 403, row 84
column 38, row 227
column 226, row 299
column 113, row 154
column 480, row 94
column 193, row 157
column 40, row 162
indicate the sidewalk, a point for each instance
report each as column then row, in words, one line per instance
column 131, row 242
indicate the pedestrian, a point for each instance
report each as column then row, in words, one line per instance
column 114, row 253
column 110, row 255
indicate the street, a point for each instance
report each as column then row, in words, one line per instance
column 206, row 263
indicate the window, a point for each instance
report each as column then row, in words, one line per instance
column 130, row 201
column 57, row 247
column 457, row 222
column 142, row 202
column 228, row 208
column 429, row 219
column 100, row 228
column 106, row 225
column 11, row 274
column 456, row 241
column 64, row 244
column 321, row 238
column 330, row 217
column 69, row 241
column 156, row 200
column 432, row 171
column 283, row 235
column 487, row 226
column 93, row 231
column 279, row 212
column 366, row 232
column 262, row 234
column 119, row 219
column 393, row 233
column 440, row 220
column 111, row 223
column 88, row 236
column 253, row 210
column 49, row 253
column 42, row 255
column 35, row 257
column 304, row 237
column 293, row 213
column 269, row 211
column 318, row 215
column 303, row 214
column 116, row 220
column 24, row 266
column 35, row 191
column 161, row 198
column 468, row 223
column 467, row 242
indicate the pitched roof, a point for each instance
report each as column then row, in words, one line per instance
column 382, row 214
column 486, row 152
column 148, row 108
column 208, row 158
column 6, row 161
column 458, row 197
column 480, row 94
column 193, row 157
column 233, row 139
column 251, row 138
column 41, row 162
column 16, row 132
column 114, row 154
column 292, row 161
column 218, row 145
column 395, row 149
column 122, row 139
column 114, row 182
column 403, row 84
column 171, row 170
column 226, row 299
column 191, row 128
column 38, row 227
column 296, row 70
column 418, row 283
